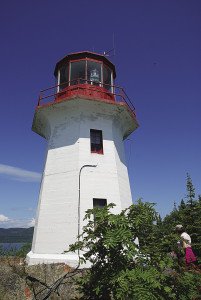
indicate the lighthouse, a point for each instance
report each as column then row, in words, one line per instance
column 85, row 118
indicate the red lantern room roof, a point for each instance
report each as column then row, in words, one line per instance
column 82, row 55
column 88, row 76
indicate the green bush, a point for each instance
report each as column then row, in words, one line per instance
column 22, row 252
column 120, row 269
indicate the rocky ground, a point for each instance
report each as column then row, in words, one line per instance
column 18, row 281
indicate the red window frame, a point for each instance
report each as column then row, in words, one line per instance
column 85, row 79
column 96, row 141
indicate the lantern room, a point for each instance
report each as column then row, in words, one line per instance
column 88, row 76
column 85, row 68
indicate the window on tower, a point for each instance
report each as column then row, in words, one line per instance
column 63, row 76
column 107, row 78
column 96, row 139
column 98, row 203
column 77, row 72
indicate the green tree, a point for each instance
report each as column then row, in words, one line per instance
column 120, row 268
column 189, row 215
column 182, row 204
column 190, row 190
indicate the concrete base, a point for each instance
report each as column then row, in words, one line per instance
column 69, row 259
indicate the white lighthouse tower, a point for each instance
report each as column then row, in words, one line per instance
column 84, row 119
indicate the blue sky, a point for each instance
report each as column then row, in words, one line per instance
column 158, row 62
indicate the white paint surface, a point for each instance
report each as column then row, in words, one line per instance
column 66, row 126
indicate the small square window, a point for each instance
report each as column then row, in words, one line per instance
column 99, row 202
column 96, row 139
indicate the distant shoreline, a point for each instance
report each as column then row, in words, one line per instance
column 16, row 235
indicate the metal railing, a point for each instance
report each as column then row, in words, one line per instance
column 85, row 87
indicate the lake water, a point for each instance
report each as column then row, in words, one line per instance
column 11, row 246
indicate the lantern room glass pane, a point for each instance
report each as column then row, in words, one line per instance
column 94, row 73
column 63, row 82
column 77, row 73
column 107, row 78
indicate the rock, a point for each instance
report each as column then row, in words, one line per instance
column 18, row 281
column 12, row 286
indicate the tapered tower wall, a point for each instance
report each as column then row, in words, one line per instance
column 66, row 126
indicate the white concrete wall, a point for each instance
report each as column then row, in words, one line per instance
column 68, row 150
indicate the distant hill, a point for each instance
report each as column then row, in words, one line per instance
column 16, row 235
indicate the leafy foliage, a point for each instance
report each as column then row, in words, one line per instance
column 22, row 252
column 189, row 215
column 120, row 269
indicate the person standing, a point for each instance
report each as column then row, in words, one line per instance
column 185, row 243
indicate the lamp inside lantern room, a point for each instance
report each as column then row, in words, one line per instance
column 94, row 77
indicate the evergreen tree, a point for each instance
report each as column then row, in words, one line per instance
column 190, row 190
column 182, row 204
column 175, row 206
column 189, row 215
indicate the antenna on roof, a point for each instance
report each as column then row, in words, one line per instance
column 107, row 53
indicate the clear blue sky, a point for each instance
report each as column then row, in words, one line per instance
column 158, row 61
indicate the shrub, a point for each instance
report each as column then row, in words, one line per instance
column 120, row 269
